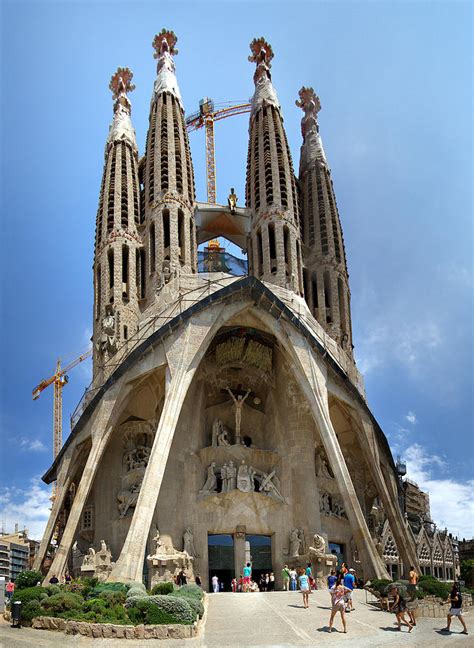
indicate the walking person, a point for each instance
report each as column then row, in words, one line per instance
column 332, row 578
column 399, row 607
column 455, row 610
column 309, row 574
column 215, row 584
column 349, row 584
column 9, row 589
column 198, row 581
column 271, row 583
column 338, row 594
column 285, row 576
column 247, row 577
column 304, row 587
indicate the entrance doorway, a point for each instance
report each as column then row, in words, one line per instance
column 221, row 560
column 337, row 550
column 260, row 549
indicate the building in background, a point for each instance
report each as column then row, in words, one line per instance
column 17, row 553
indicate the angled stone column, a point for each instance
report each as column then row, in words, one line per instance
column 313, row 383
column 181, row 368
column 404, row 544
column 100, row 438
column 64, row 481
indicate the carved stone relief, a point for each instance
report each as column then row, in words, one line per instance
column 138, row 441
column 331, row 505
column 99, row 563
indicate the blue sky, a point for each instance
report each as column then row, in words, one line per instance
column 395, row 83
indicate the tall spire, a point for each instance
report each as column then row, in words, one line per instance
column 312, row 149
column 275, row 246
column 262, row 55
column 121, row 126
column 117, row 244
column 326, row 280
column 164, row 46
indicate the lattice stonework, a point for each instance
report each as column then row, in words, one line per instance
column 438, row 556
column 424, row 554
column 390, row 552
column 449, row 558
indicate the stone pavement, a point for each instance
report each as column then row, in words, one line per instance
column 275, row 619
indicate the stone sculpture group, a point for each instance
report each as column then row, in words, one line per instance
column 245, row 478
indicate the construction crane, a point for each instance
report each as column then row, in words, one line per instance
column 58, row 379
column 207, row 115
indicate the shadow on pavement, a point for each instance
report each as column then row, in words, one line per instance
column 295, row 606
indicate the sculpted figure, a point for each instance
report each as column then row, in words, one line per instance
column 295, row 542
column 211, row 482
column 238, row 403
column 354, row 551
column 324, row 503
column 322, row 465
column 222, row 435
column 243, row 478
column 215, row 432
column 108, row 339
column 232, row 200
column 188, row 543
column 231, row 476
column 225, row 479
column 127, row 499
column 268, row 487
column 319, row 545
column 89, row 558
column 339, row 510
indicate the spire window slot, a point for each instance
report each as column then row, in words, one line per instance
column 327, row 297
column 272, row 247
column 124, row 183
column 259, row 253
column 152, row 248
column 181, row 237
column 98, row 291
column 125, row 273
column 110, row 259
column 342, row 305
column 111, row 192
column 166, row 234
column 287, row 248
column 142, row 264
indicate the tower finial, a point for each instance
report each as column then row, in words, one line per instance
column 164, row 46
column 312, row 145
column 262, row 55
column 121, row 84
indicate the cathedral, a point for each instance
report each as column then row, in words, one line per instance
column 226, row 421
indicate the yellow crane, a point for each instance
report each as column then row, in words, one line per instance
column 58, row 379
column 207, row 115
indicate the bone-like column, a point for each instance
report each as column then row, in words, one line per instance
column 63, row 484
column 100, row 438
column 129, row 566
column 404, row 544
column 314, row 386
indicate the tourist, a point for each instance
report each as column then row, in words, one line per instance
column 9, row 589
column 309, row 574
column 338, row 594
column 54, row 580
column 247, row 575
column 344, row 569
column 349, row 583
column 181, row 579
column 304, row 587
column 215, row 584
column 67, row 578
column 233, row 585
column 240, row 585
column 455, row 598
column 332, row 578
column 253, row 586
column 293, row 577
column 399, row 607
column 198, row 581
column 271, row 582
column 285, row 576
column 262, row 583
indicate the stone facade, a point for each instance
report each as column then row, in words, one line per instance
column 232, row 424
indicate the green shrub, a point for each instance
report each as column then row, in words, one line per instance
column 112, row 597
column 62, row 603
column 136, row 591
column 53, row 589
column 146, row 612
column 28, row 578
column 431, row 585
column 178, row 607
column 195, row 604
column 30, row 594
column 96, row 605
column 132, row 600
column 192, row 590
column 31, row 610
column 163, row 588
column 107, row 587
column 136, row 584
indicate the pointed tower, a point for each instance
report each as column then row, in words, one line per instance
column 275, row 246
column 170, row 234
column 326, row 280
column 117, row 242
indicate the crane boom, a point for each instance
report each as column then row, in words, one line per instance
column 206, row 117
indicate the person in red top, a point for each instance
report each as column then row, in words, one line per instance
column 9, row 589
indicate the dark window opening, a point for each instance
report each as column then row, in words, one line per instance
column 142, row 273
column 260, row 252
column 125, row 271
column 272, row 247
column 328, row 297
column 166, row 233
column 110, row 258
column 152, row 248
column 125, row 333
column 181, row 241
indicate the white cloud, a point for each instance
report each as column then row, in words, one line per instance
column 411, row 418
column 29, row 507
column 451, row 500
column 33, row 445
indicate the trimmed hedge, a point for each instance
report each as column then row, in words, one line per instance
column 31, row 610
column 62, row 603
column 191, row 590
column 431, row 585
column 196, row 606
column 145, row 611
column 178, row 607
column 136, row 591
column 163, row 588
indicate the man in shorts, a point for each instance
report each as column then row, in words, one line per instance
column 455, row 610
column 247, row 577
column 349, row 584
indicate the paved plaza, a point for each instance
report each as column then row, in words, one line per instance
column 274, row 619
